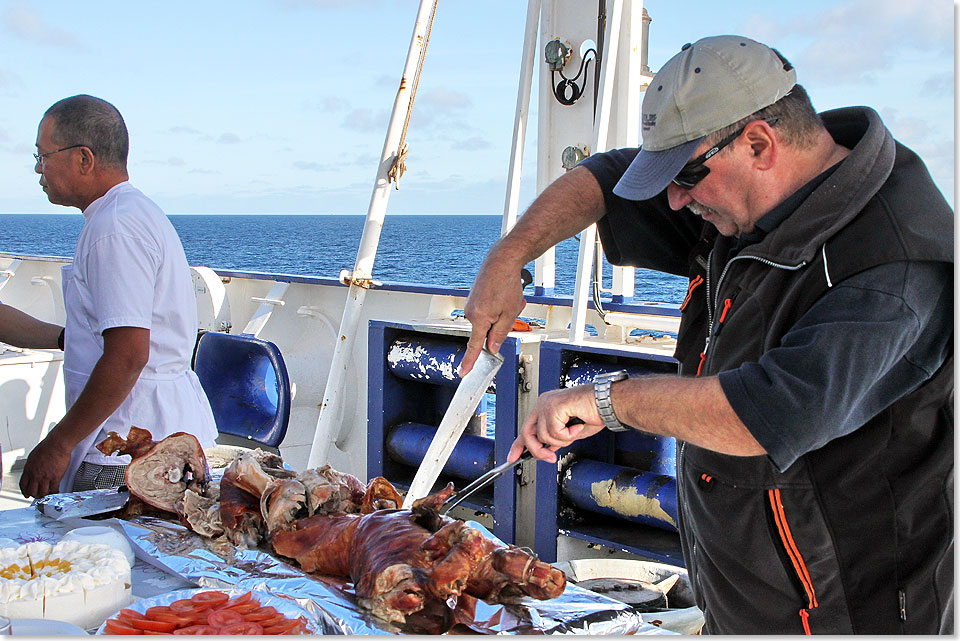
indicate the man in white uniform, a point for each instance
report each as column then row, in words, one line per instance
column 131, row 311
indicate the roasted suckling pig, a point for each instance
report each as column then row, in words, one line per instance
column 160, row 473
column 408, row 566
column 401, row 560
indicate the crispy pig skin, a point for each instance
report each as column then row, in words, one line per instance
column 404, row 562
column 240, row 514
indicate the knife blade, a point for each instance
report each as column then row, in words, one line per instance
column 464, row 402
column 86, row 504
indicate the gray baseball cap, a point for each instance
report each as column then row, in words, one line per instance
column 710, row 84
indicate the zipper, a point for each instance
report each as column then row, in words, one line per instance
column 713, row 299
column 696, row 282
column 681, row 483
column 796, row 563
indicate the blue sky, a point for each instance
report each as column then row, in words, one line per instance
column 257, row 106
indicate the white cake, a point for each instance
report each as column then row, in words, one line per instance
column 80, row 583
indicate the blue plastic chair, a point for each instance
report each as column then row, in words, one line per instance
column 246, row 381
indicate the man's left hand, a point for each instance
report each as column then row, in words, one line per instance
column 548, row 427
column 44, row 469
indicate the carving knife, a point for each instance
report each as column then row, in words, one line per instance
column 455, row 419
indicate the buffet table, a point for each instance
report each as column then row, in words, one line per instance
column 172, row 558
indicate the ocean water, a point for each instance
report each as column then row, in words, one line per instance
column 428, row 249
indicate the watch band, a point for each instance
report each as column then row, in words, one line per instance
column 601, row 391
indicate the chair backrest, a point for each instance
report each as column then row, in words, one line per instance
column 246, row 381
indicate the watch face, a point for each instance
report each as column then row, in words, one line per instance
column 618, row 375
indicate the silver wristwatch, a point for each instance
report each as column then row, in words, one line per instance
column 601, row 391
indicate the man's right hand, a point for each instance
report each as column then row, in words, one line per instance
column 565, row 208
column 46, row 464
column 495, row 301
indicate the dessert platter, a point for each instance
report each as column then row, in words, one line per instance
column 77, row 583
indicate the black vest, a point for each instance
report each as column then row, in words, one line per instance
column 857, row 536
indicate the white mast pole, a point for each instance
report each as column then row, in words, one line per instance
column 601, row 125
column 520, row 119
column 327, row 430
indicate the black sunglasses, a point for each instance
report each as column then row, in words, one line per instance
column 696, row 170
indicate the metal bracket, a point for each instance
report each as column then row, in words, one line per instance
column 346, row 278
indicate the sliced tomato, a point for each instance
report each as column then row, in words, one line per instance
column 301, row 629
column 261, row 614
column 157, row 609
column 243, row 608
column 274, row 620
column 244, row 627
column 184, row 605
column 130, row 615
column 284, row 626
column 237, row 600
column 155, row 626
column 212, row 598
column 114, row 626
column 197, row 629
column 180, row 619
column 152, row 632
column 220, row 618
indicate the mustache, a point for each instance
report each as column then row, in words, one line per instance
column 699, row 209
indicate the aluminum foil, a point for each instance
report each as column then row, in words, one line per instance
column 217, row 563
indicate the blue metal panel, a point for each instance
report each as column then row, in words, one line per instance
column 425, row 358
column 547, row 527
column 408, row 443
column 582, row 371
column 622, row 492
column 507, row 383
column 397, row 399
column 561, row 363
column 246, row 381
column 376, row 427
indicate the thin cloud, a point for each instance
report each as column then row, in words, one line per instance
column 859, row 40
column 476, row 143
column 24, row 22
column 366, row 119
column 172, row 161
column 939, row 85
column 228, row 139
column 445, row 99
column 305, row 165
column 182, row 129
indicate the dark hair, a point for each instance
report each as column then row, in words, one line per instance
column 797, row 120
column 94, row 123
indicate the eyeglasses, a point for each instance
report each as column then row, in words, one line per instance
column 39, row 157
column 696, row 170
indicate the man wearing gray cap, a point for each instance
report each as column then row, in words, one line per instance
column 814, row 411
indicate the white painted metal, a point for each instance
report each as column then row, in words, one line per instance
column 32, row 401
column 267, row 304
column 327, row 431
column 514, row 174
column 611, row 48
column 10, row 270
column 213, row 306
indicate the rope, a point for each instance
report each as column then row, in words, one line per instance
column 399, row 161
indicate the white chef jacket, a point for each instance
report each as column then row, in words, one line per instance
column 129, row 270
